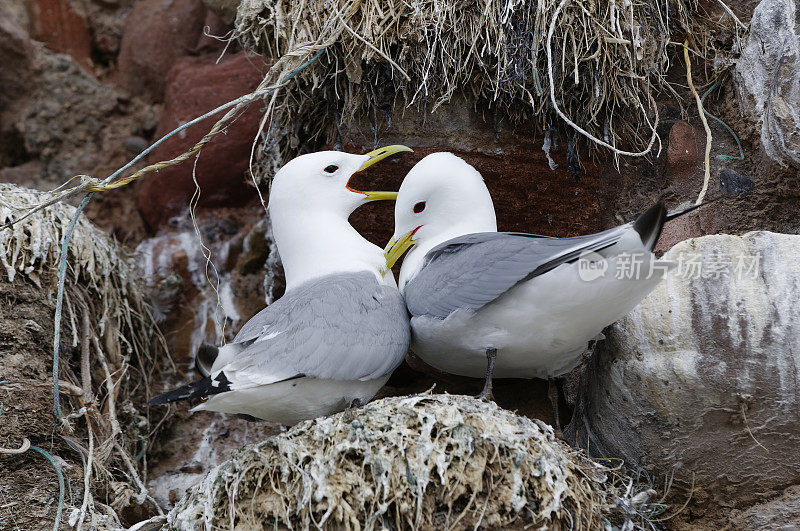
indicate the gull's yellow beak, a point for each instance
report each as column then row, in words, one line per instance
column 380, row 196
column 381, row 153
column 375, row 157
column 395, row 249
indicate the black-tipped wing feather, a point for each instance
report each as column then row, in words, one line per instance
column 198, row 389
column 649, row 224
column 341, row 327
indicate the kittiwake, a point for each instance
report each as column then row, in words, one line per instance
column 341, row 328
column 516, row 305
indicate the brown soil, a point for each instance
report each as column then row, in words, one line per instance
column 29, row 487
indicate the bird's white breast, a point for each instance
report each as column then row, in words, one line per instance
column 540, row 327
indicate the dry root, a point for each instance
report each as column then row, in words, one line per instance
column 607, row 60
column 111, row 348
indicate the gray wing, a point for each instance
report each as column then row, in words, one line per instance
column 341, row 327
column 473, row 270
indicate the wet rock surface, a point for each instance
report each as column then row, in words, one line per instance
column 202, row 300
column 194, row 444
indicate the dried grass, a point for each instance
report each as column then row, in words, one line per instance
column 420, row 462
column 609, row 57
column 116, row 346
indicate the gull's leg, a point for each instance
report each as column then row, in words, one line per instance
column 491, row 354
column 354, row 404
column 552, row 394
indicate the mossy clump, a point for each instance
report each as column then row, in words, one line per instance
column 420, row 462
column 607, row 61
column 110, row 350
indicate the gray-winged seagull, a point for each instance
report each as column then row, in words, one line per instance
column 341, row 328
column 486, row 303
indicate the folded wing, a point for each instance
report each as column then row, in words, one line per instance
column 342, row 327
column 471, row 271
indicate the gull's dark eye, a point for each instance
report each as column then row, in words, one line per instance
column 331, row 168
column 419, row 207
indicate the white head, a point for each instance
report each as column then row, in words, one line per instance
column 442, row 197
column 320, row 181
column 309, row 203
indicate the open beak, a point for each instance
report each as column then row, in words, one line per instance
column 395, row 249
column 379, row 196
column 375, row 157
column 381, row 153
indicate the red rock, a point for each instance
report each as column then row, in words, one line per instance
column 684, row 151
column 156, row 34
column 710, row 219
column 62, row 29
column 195, row 86
column 683, row 228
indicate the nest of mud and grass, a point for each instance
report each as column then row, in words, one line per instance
column 110, row 349
column 419, row 462
column 373, row 59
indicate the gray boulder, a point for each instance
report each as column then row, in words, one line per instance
column 779, row 514
column 702, row 380
column 768, row 78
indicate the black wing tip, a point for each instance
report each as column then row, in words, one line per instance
column 650, row 223
column 164, row 398
column 161, row 400
column 679, row 213
column 198, row 389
